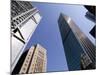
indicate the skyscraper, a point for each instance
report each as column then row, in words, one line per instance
column 24, row 20
column 93, row 31
column 91, row 15
column 79, row 50
column 32, row 60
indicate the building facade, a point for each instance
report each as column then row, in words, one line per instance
column 33, row 60
column 18, row 7
column 91, row 15
column 24, row 20
column 79, row 50
column 93, row 32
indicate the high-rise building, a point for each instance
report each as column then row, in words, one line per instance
column 79, row 50
column 91, row 9
column 18, row 7
column 24, row 20
column 91, row 15
column 32, row 60
column 93, row 31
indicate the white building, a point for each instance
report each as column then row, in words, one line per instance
column 24, row 20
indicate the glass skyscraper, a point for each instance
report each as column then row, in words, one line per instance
column 91, row 15
column 79, row 50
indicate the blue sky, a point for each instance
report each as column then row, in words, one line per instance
column 47, row 33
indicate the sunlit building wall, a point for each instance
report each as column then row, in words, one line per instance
column 39, row 60
column 33, row 60
column 24, row 20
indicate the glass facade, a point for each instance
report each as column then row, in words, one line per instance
column 75, row 44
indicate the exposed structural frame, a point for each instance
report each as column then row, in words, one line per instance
column 18, row 32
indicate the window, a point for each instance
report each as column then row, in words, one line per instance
column 28, row 57
column 26, row 61
column 24, row 69
column 25, row 64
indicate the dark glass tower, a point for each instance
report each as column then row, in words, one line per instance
column 79, row 50
column 91, row 15
column 93, row 31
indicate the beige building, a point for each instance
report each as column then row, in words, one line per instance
column 35, row 61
